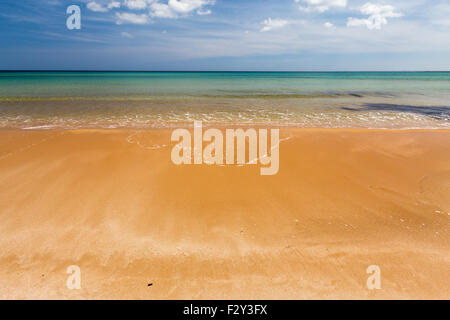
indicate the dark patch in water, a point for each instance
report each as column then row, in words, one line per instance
column 435, row 112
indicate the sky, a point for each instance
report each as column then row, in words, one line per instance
column 229, row 35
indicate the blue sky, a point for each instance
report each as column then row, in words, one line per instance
column 287, row 35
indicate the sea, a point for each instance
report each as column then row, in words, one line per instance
column 114, row 100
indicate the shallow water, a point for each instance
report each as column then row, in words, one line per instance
column 44, row 100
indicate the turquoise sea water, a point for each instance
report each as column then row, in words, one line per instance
column 142, row 99
column 81, row 84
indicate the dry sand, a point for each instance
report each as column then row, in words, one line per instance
column 116, row 206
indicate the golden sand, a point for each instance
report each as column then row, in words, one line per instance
column 113, row 203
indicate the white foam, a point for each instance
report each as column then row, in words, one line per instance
column 43, row 127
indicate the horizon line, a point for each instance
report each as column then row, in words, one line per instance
column 211, row 71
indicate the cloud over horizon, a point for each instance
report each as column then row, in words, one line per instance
column 377, row 13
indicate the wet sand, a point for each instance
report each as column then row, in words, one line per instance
column 112, row 202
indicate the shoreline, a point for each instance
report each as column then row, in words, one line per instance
column 189, row 125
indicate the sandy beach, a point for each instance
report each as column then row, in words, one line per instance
column 112, row 203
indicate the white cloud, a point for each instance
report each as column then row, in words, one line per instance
column 176, row 8
column 329, row 25
column 377, row 13
column 186, row 6
column 126, row 17
column 167, row 8
column 270, row 24
column 114, row 5
column 137, row 4
column 157, row 9
column 94, row 6
column 321, row 5
column 126, row 35
column 203, row 12
column 161, row 10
